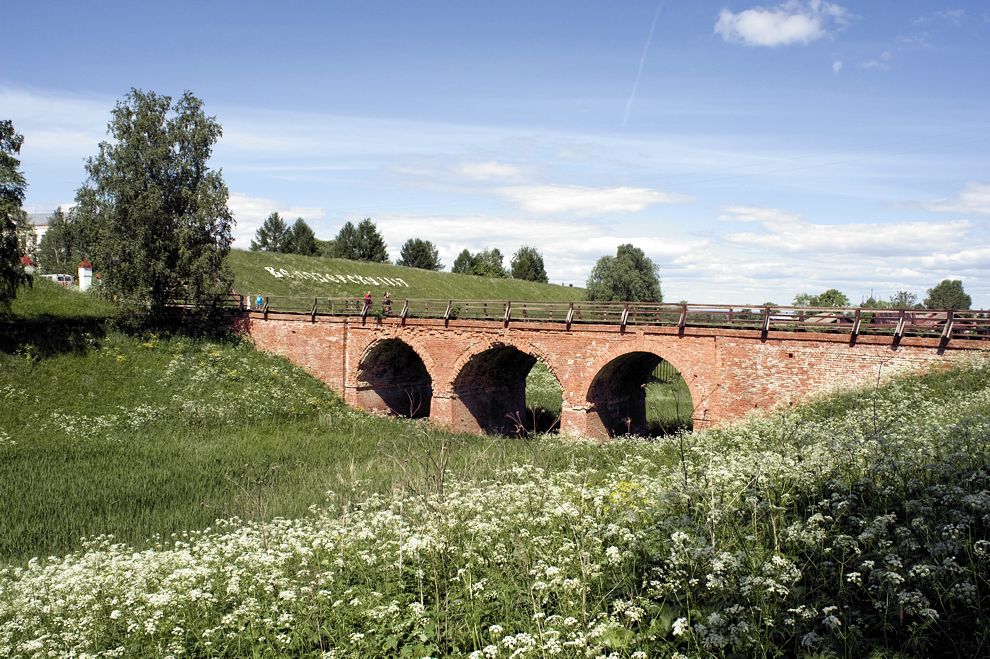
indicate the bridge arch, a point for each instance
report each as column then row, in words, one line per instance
column 393, row 377
column 487, row 386
column 618, row 391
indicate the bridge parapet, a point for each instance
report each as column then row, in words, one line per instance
column 853, row 322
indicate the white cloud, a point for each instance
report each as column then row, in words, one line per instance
column 786, row 232
column 581, row 201
column 880, row 64
column 769, row 216
column 793, row 22
column 569, row 248
column 250, row 213
column 974, row 198
column 953, row 16
column 836, row 66
column 486, row 171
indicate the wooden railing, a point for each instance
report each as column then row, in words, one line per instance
column 852, row 321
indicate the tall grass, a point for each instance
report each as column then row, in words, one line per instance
column 852, row 528
column 855, row 526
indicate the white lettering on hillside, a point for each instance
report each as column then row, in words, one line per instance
column 330, row 278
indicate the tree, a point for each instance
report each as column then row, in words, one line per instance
column 271, row 236
column 160, row 223
column 63, row 245
column 527, row 264
column 830, row 298
column 489, row 263
column 903, row 300
column 628, row 276
column 464, row 263
column 12, row 186
column 423, row 254
column 360, row 243
column 301, row 239
column 948, row 294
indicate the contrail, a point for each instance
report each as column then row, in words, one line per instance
column 642, row 61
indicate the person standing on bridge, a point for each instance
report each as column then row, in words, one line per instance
column 387, row 303
column 367, row 301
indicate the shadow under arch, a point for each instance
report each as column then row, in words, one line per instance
column 393, row 378
column 619, row 391
column 489, row 391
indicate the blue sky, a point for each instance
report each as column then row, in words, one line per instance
column 754, row 151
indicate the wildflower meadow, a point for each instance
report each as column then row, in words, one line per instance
column 853, row 526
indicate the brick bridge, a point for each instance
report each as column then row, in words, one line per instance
column 464, row 364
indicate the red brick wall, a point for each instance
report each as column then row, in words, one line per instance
column 729, row 372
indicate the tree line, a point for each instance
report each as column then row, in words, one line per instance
column 947, row 294
column 363, row 242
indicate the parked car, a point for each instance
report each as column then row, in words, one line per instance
column 66, row 281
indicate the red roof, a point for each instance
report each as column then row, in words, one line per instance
column 26, row 260
column 85, row 264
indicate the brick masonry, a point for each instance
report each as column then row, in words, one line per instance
column 470, row 375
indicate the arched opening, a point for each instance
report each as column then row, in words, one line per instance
column 544, row 399
column 640, row 393
column 490, row 394
column 393, row 378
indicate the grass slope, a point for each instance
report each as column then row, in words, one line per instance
column 251, row 277
column 106, row 433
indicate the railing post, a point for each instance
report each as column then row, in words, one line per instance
column 312, row 314
column 682, row 321
column 899, row 332
column 947, row 329
column 857, row 323
column 264, row 309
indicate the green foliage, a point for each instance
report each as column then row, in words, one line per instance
column 272, row 235
column 486, row 263
column 301, row 239
column 489, row 263
column 628, row 276
column 464, row 263
column 948, row 294
column 359, row 243
column 830, row 298
column 158, row 213
column 64, row 245
column 422, row 254
column 527, row 264
column 12, row 186
column 903, row 300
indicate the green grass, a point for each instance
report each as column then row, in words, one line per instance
column 250, row 277
column 103, row 433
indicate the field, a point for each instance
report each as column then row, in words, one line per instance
column 854, row 526
column 251, row 277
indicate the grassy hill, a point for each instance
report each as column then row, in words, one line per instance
column 323, row 279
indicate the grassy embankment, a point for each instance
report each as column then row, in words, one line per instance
column 856, row 526
column 106, row 433
column 251, row 278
